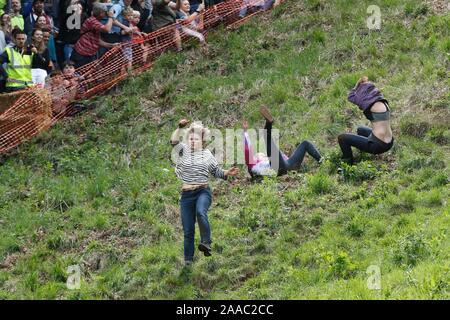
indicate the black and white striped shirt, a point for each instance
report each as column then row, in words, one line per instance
column 194, row 167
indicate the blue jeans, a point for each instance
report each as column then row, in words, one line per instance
column 68, row 48
column 278, row 162
column 195, row 205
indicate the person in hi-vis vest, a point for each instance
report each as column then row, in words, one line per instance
column 19, row 60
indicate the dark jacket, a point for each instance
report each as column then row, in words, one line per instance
column 163, row 15
column 66, row 35
column 44, row 62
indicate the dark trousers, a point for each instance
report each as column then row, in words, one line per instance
column 195, row 205
column 80, row 60
column 364, row 140
column 145, row 24
column 108, row 38
column 210, row 3
column 15, row 89
column 194, row 7
column 277, row 161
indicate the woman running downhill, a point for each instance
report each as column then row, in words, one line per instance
column 194, row 165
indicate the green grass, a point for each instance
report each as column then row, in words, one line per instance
column 98, row 190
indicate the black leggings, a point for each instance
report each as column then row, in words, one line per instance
column 278, row 163
column 364, row 140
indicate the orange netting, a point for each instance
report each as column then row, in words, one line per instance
column 26, row 113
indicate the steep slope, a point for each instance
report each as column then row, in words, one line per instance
column 99, row 191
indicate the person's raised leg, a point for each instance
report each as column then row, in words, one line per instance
column 277, row 161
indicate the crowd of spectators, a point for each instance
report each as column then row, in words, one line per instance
column 41, row 38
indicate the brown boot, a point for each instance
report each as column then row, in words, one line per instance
column 266, row 114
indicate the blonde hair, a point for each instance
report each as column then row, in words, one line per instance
column 197, row 127
column 128, row 12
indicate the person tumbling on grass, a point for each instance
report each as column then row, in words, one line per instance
column 376, row 109
column 275, row 161
column 194, row 164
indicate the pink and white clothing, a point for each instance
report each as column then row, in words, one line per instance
column 257, row 164
column 276, row 162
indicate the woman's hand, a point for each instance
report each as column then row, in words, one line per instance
column 232, row 172
column 362, row 80
column 175, row 138
column 183, row 123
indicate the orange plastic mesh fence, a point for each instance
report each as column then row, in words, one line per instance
column 26, row 113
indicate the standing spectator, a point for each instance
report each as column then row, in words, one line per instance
column 40, row 68
column 41, row 22
column 145, row 8
column 49, row 39
column 127, row 50
column 138, row 38
column 36, row 12
column 5, row 31
column 5, row 39
column 19, row 59
column 119, row 27
column 193, row 22
column 86, row 48
column 70, row 26
column 163, row 13
column 16, row 15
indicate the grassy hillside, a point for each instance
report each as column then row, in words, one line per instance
column 98, row 190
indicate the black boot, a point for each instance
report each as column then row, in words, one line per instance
column 205, row 248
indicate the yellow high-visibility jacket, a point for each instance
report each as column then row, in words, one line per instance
column 18, row 69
